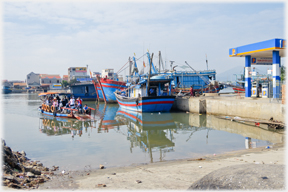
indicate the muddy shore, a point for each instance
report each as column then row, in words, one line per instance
column 169, row 175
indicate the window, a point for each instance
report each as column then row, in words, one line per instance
column 28, row 77
column 86, row 89
column 42, row 80
column 50, row 81
column 57, row 81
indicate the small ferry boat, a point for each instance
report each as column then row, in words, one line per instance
column 50, row 110
column 149, row 95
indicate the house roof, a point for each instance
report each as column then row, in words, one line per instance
column 43, row 76
column 20, row 84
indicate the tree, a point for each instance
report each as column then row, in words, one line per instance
column 64, row 83
column 283, row 73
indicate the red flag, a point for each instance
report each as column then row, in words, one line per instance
column 144, row 64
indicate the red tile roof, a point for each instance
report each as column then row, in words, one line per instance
column 43, row 76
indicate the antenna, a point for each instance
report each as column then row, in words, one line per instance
column 206, row 61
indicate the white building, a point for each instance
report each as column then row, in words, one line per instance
column 77, row 72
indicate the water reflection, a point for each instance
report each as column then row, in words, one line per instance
column 150, row 132
column 60, row 126
column 106, row 114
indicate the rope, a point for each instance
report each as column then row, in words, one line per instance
column 122, row 66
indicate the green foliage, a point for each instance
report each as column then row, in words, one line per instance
column 64, row 83
column 283, row 73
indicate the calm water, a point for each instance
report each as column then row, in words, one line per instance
column 120, row 138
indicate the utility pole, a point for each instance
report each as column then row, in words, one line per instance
column 171, row 64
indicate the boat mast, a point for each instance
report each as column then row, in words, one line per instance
column 148, row 80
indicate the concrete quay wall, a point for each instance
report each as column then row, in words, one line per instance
column 245, row 108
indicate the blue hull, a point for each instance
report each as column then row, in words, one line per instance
column 57, row 114
column 109, row 87
column 147, row 104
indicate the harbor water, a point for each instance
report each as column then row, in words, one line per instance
column 121, row 138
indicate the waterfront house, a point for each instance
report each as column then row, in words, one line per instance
column 50, row 81
column 77, row 73
column 33, row 79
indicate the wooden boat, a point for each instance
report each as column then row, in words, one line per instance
column 239, row 90
column 46, row 110
column 50, row 111
column 149, row 95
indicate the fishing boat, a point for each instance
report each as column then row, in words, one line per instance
column 86, row 91
column 149, row 95
column 201, row 81
column 109, row 83
column 6, row 89
column 110, row 86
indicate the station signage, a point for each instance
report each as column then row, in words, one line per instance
column 261, row 61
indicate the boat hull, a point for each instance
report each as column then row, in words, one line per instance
column 70, row 115
column 110, row 86
column 238, row 90
column 147, row 104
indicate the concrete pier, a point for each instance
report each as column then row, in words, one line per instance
column 253, row 108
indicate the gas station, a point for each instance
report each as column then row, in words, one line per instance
column 262, row 53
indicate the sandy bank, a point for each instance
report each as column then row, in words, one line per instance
column 173, row 175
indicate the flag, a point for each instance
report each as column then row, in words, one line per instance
column 144, row 64
column 134, row 54
column 90, row 74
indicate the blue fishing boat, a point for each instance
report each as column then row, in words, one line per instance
column 86, row 91
column 149, row 95
column 110, row 86
column 6, row 89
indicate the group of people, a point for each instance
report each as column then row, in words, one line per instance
column 66, row 102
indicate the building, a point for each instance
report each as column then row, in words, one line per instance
column 50, row 81
column 19, row 85
column 33, row 79
column 65, row 78
column 77, row 73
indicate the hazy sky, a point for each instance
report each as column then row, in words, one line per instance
column 49, row 37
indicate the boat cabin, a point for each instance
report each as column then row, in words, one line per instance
column 157, row 86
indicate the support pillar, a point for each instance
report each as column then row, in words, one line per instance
column 276, row 74
column 248, row 76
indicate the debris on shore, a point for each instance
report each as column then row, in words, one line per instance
column 19, row 172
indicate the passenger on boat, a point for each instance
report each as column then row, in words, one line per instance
column 47, row 101
column 86, row 109
column 79, row 104
column 72, row 103
column 58, row 98
column 55, row 103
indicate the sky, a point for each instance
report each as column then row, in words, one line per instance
column 48, row 37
